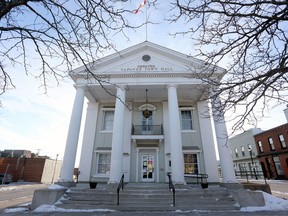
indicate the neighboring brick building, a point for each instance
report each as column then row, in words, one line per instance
column 31, row 169
column 273, row 152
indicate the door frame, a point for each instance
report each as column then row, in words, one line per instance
column 152, row 151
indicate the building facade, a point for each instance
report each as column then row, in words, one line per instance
column 147, row 117
column 273, row 152
column 42, row 170
column 244, row 154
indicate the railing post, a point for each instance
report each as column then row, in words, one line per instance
column 120, row 185
column 171, row 186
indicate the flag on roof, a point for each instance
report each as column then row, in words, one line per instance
column 140, row 6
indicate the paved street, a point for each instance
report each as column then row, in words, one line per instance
column 278, row 188
column 15, row 194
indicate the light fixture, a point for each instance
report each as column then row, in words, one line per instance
column 146, row 112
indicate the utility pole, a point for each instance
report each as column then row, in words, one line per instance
column 38, row 150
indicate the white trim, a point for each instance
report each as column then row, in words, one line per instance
column 150, row 107
column 97, row 152
column 137, row 164
column 186, row 108
column 103, row 110
column 192, row 109
column 197, row 152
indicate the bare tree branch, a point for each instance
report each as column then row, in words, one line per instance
column 250, row 39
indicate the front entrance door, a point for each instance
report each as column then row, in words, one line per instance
column 147, row 168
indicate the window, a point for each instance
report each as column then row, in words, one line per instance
column 108, row 120
column 147, row 123
column 236, row 152
column 186, row 120
column 103, row 165
column 190, row 164
column 282, row 141
column 271, row 143
column 249, row 147
column 260, row 146
column 243, row 150
column 278, row 165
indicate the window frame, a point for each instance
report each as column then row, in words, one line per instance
column 271, row 144
column 191, row 110
column 104, row 111
column 98, row 153
column 282, row 141
column 197, row 162
column 243, row 150
column 236, row 152
column 260, row 146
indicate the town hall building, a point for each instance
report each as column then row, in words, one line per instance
column 147, row 114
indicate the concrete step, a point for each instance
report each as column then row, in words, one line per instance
column 168, row 207
column 149, row 197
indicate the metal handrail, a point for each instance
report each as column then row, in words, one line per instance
column 147, row 130
column 198, row 176
column 120, row 186
column 171, row 186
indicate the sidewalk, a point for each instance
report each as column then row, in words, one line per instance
column 195, row 213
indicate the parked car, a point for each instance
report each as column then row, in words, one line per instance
column 5, row 179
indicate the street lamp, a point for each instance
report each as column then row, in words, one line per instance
column 250, row 152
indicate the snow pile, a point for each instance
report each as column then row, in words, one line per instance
column 52, row 208
column 13, row 210
column 8, row 188
column 272, row 203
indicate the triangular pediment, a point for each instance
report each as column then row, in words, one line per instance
column 145, row 57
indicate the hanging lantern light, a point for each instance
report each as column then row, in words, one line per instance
column 146, row 112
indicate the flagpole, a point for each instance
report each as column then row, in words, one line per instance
column 146, row 21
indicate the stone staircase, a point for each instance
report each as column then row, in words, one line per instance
column 149, row 197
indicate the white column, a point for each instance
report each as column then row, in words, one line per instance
column 88, row 142
column 177, row 160
column 137, row 164
column 118, row 138
column 226, row 161
column 207, row 137
column 286, row 113
column 73, row 136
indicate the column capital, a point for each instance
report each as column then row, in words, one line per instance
column 122, row 86
column 172, row 85
column 80, row 86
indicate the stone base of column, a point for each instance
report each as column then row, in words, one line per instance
column 231, row 185
column 112, row 186
column 180, row 185
column 66, row 184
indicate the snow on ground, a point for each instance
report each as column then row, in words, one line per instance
column 13, row 210
column 272, row 203
column 21, row 185
column 55, row 186
column 52, row 208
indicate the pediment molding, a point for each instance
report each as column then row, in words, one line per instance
column 164, row 63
